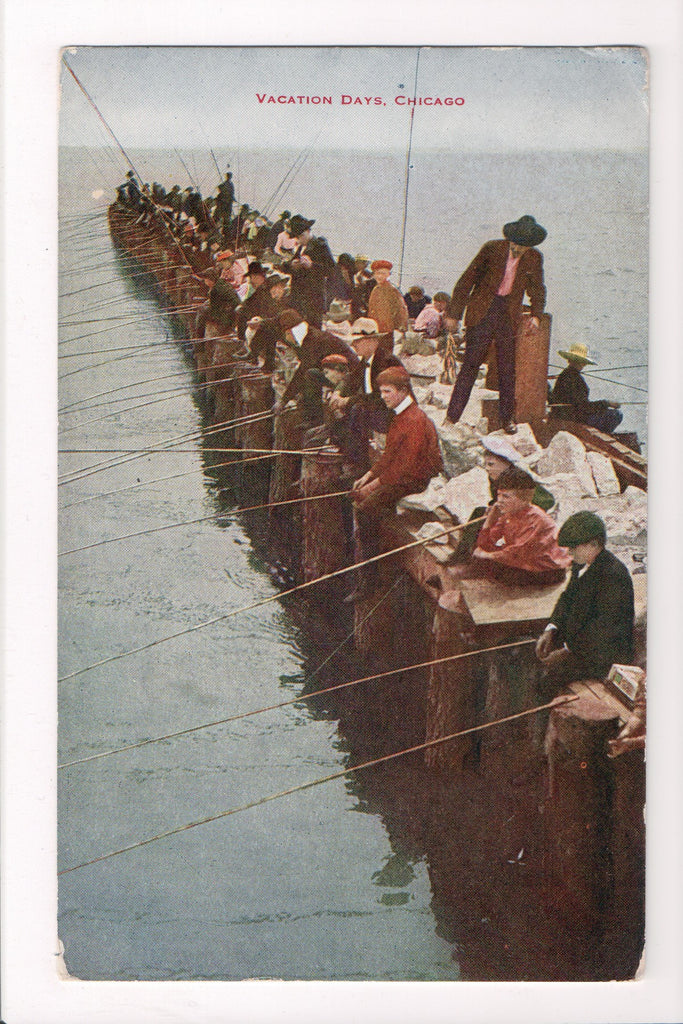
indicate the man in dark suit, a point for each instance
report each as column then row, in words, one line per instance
column 490, row 294
column 365, row 410
column 591, row 627
column 310, row 346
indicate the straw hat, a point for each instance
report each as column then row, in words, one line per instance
column 577, row 353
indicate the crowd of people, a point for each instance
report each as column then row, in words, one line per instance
column 329, row 328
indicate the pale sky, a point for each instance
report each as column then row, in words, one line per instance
column 514, row 98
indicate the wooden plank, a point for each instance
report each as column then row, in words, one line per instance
column 494, row 603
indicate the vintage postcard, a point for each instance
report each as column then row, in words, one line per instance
column 352, row 498
column 241, row 263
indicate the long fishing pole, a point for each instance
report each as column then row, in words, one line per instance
column 267, row 600
column 405, row 195
column 71, row 410
column 302, row 156
column 557, row 702
column 296, row 700
column 163, row 479
column 204, row 519
column 173, row 395
column 619, row 383
column 137, row 453
column 170, row 442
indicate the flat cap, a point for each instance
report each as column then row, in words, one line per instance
column 581, row 528
column 397, row 376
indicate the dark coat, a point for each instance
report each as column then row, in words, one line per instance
column 356, row 382
column 594, row 615
column 315, row 346
column 260, row 303
column 569, row 401
column 478, row 286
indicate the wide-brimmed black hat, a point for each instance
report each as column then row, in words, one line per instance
column 525, row 231
column 299, row 224
column 256, row 268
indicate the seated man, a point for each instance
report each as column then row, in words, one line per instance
column 569, row 396
column 591, row 627
column 366, row 412
column 517, row 543
column 409, row 461
column 430, row 319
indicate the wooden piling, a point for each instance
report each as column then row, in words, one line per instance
column 578, row 811
column 451, row 694
column 325, row 542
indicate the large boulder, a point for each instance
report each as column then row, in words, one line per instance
column 424, row 366
column 462, row 494
column 624, row 515
column 439, row 395
column 566, row 455
column 429, row 499
column 460, row 447
column 524, row 441
column 602, row 469
column 416, row 345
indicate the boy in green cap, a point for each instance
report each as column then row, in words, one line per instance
column 591, row 627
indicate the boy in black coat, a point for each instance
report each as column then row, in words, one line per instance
column 591, row 627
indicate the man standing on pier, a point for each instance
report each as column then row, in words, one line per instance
column 591, row 627
column 490, row 294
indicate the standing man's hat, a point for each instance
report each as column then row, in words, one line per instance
column 581, row 528
column 285, row 215
column 299, row 224
column 381, row 265
column 525, row 231
column 577, row 353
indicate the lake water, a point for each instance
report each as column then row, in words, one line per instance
column 314, row 885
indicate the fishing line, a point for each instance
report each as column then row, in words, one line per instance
column 202, row 519
column 303, row 696
column 141, row 453
column 607, row 380
column 266, row 600
column 178, row 439
column 197, row 386
column 168, row 396
column 162, row 479
column 557, row 702
column 130, row 323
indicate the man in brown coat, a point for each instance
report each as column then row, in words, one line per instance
column 490, row 293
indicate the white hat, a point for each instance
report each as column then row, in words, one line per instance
column 501, row 448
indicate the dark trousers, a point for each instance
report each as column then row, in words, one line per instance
column 367, row 415
column 368, row 519
column 496, row 328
